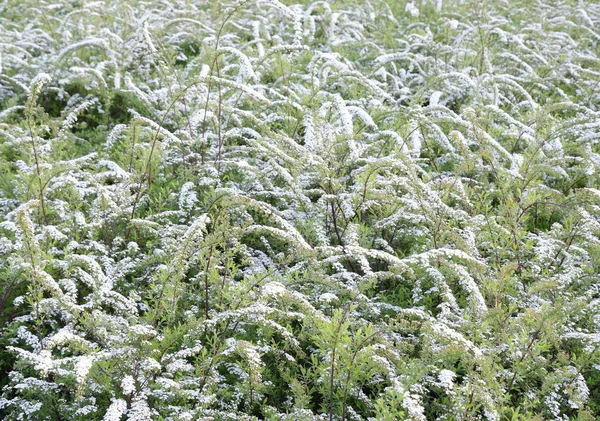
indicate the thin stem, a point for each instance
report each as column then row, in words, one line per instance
column 37, row 165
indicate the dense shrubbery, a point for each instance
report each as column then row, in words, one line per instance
column 328, row 210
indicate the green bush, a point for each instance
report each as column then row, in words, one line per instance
column 299, row 210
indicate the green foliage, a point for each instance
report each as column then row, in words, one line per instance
column 299, row 210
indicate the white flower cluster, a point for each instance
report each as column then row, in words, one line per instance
column 391, row 208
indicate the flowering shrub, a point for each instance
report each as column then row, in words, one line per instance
column 298, row 210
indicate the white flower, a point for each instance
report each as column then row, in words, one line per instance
column 151, row 364
column 115, row 410
column 128, row 385
column 412, row 9
column 82, row 368
column 413, row 407
column 140, row 410
column 147, row 38
column 446, row 378
column 328, row 297
column 187, row 197
column 273, row 288
column 252, row 356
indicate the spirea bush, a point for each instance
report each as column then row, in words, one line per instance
column 299, row 210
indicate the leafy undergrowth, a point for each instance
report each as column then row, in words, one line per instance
column 334, row 210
